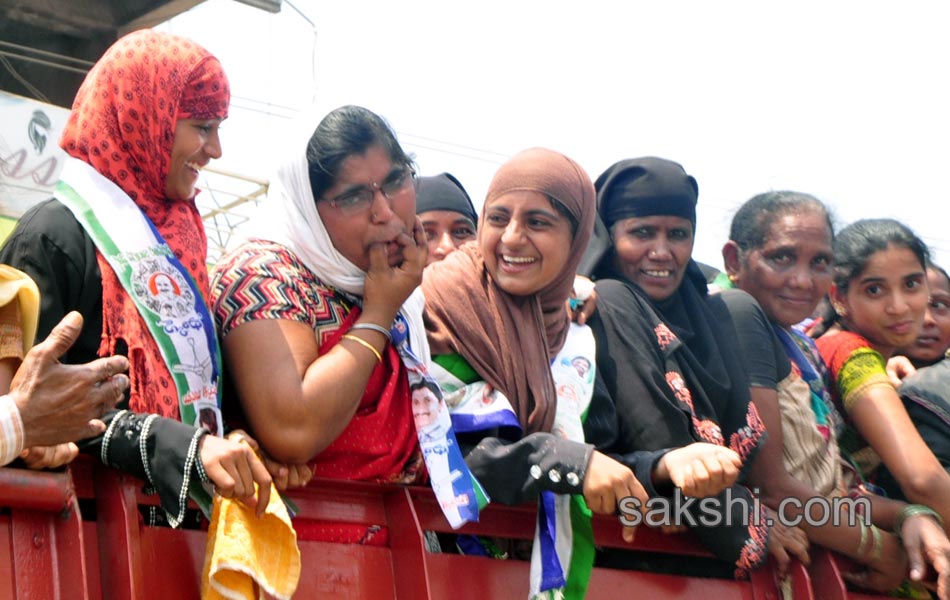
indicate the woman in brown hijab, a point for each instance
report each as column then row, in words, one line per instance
column 495, row 312
column 499, row 305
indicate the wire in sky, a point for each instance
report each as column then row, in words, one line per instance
column 16, row 75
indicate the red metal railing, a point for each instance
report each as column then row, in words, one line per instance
column 47, row 552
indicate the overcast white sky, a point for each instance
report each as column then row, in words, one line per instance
column 846, row 100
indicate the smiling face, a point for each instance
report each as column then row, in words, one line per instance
column 934, row 339
column 525, row 242
column 886, row 302
column 381, row 222
column 163, row 284
column 196, row 143
column 446, row 230
column 791, row 272
column 653, row 252
column 425, row 407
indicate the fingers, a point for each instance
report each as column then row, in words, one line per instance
column 263, row 480
column 378, row 258
column 419, row 234
column 943, row 580
column 300, row 475
column 49, row 457
column 64, row 335
column 683, row 478
column 239, row 435
column 587, row 309
column 280, row 475
column 250, row 471
column 781, row 560
column 294, row 476
column 700, row 476
column 104, row 394
column 416, row 251
column 800, row 547
column 629, row 533
column 93, row 428
column 104, row 368
column 915, row 561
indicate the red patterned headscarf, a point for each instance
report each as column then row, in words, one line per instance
column 123, row 125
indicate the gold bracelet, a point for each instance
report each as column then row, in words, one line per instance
column 362, row 342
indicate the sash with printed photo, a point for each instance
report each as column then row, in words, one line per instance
column 460, row 495
column 563, row 552
column 163, row 291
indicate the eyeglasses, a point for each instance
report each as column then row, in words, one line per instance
column 360, row 199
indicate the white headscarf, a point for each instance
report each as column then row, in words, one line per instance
column 289, row 217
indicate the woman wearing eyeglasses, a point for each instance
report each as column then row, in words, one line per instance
column 312, row 309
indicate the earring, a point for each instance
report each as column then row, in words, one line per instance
column 840, row 309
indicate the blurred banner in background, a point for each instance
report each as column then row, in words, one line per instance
column 30, row 156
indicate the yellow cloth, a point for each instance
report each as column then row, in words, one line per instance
column 17, row 285
column 246, row 556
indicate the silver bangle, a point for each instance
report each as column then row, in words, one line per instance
column 373, row 327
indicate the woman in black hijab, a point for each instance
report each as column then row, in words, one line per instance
column 447, row 213
column 667, row 349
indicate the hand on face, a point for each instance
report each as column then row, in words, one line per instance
column 387, row 287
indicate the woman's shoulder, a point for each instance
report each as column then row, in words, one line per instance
column 50, row 220
column 615, row 294
column 848, row 351
column 838, row 342
column 263, row 259
column 739, row 304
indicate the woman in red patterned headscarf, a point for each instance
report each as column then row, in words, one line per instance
column 146, row 121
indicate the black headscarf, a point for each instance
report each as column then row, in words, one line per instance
column 670, row 366
column 443, row 192
column 637, row 187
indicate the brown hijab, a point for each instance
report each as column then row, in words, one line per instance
column 511, row 340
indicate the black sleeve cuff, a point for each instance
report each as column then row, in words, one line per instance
column 515, row 472
column 162, row 452
column 643, row 463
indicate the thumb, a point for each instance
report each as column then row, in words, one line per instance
column 915, row 562
column 64, row 334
